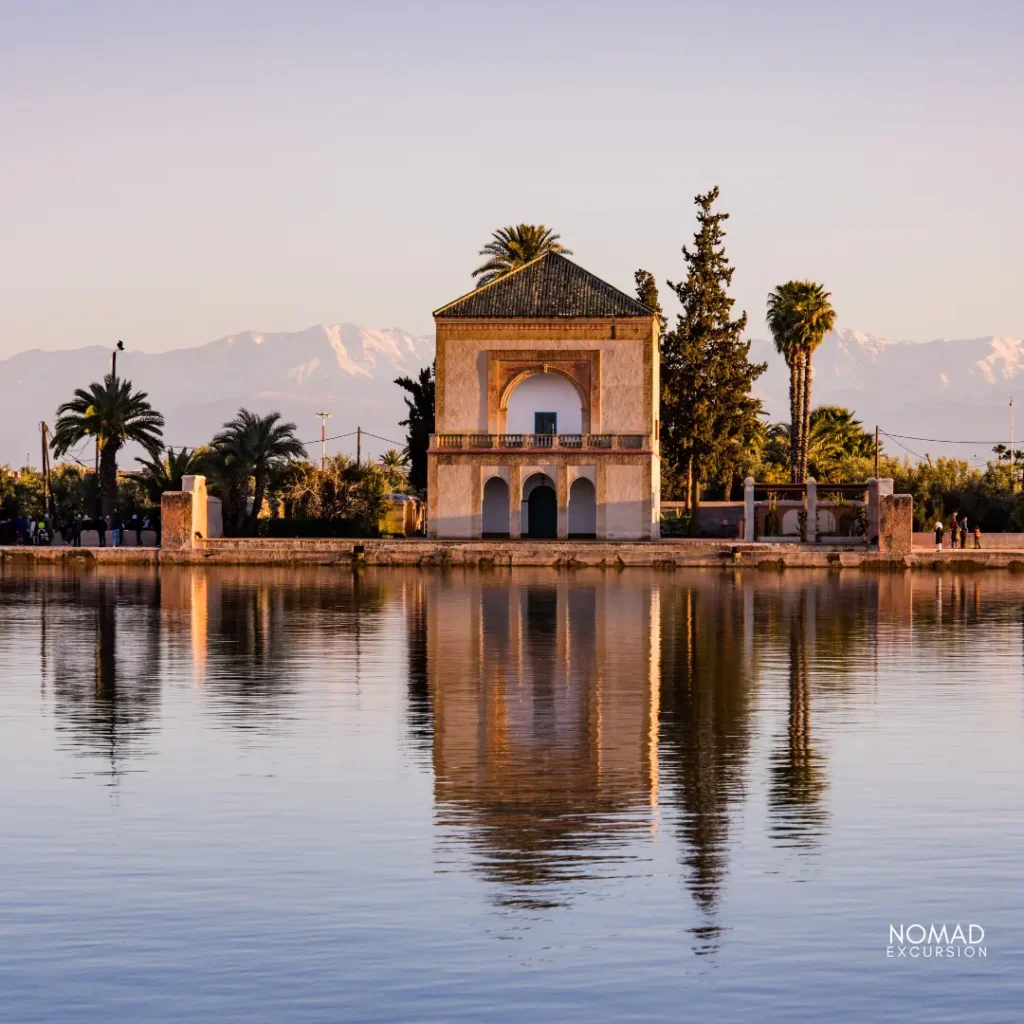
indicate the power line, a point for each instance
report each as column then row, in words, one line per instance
column 939, row 440
column 902, row 445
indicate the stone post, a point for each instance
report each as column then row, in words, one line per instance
column 562, row 492
column 812, row 511
column 515, row 501
column 176, row 520
column 895, row 525
column 196, row 486
column 872, row 537
column 748, row 510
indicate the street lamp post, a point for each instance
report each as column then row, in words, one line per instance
column 324, row 417
column 119, row 347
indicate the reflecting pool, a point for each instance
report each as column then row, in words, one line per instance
column 391, row 795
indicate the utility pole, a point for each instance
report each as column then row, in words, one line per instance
column 359, row 446
column 324, row 417
column 48, row 502
column 876, row 451
column 1013, row 471
column 119, row 347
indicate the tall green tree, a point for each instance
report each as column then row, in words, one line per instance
column 114, row 415
column 800, row 314
column 419, row 423
column 513, row 246
column 251, row 447
column 707, row 410
column 647, row 293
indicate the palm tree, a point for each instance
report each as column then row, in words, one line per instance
column 166, row 474
column 393, row 463
column 834, row 436
column 800, row 314
column 253, row 446
column 513, row 246
column 113, row 414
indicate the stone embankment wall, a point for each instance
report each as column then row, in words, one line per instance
column 347, row 554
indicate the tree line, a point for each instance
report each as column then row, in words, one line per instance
column 255, row 464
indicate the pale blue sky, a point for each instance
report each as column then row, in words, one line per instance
column 176, row 171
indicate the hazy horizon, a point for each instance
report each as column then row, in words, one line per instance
column 183, row 173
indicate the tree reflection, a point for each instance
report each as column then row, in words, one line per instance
column 106, row 686
column 706, row 675
column 798, row 783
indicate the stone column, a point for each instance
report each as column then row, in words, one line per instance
column 176, row 520
column 895, row 525
column 515, row 501
column 196, row 486
column 748, row 509
column 562, row 491
column 812, row 510
column 872, row 511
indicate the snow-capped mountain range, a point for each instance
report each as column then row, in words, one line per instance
column 338, row 368
column 937, row 389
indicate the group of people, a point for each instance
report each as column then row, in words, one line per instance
column 959, row 532
column 40, row 530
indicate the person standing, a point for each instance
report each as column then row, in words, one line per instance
column 963, row 534
column 116, row 523
column 977, row 538
column 137, row 527
column 101, row 530
column 954, row 531
column 938, row 536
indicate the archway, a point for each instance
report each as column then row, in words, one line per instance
column 544, row 403
column 494, row 508
column 582, row 508
column 541, row 507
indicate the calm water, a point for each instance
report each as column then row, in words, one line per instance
column 258, row 795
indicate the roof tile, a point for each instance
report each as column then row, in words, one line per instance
column 550, row 286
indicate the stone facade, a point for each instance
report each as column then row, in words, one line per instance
column 603, row 480
column 184, row 515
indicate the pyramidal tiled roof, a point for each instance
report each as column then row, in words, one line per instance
column 549, row 286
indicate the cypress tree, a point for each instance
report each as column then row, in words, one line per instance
column 647, row 293
column 419, row 424
column 707, row 410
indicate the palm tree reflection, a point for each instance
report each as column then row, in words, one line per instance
column 798, row 782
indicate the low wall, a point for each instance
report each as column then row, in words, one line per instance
column 347, row 554
column 999, row 541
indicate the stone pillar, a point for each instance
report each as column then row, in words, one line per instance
column 812, row 510
column 895, row 525
column 196, row 486
column 872, row 536
column 515, row 501
column 748, row 509
column 176, row 520
column 562, row 491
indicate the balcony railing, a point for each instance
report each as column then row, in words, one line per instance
column 556, row 442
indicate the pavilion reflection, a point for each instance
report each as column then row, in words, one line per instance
column 545, row 706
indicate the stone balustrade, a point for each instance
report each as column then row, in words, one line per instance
column 557, row 442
